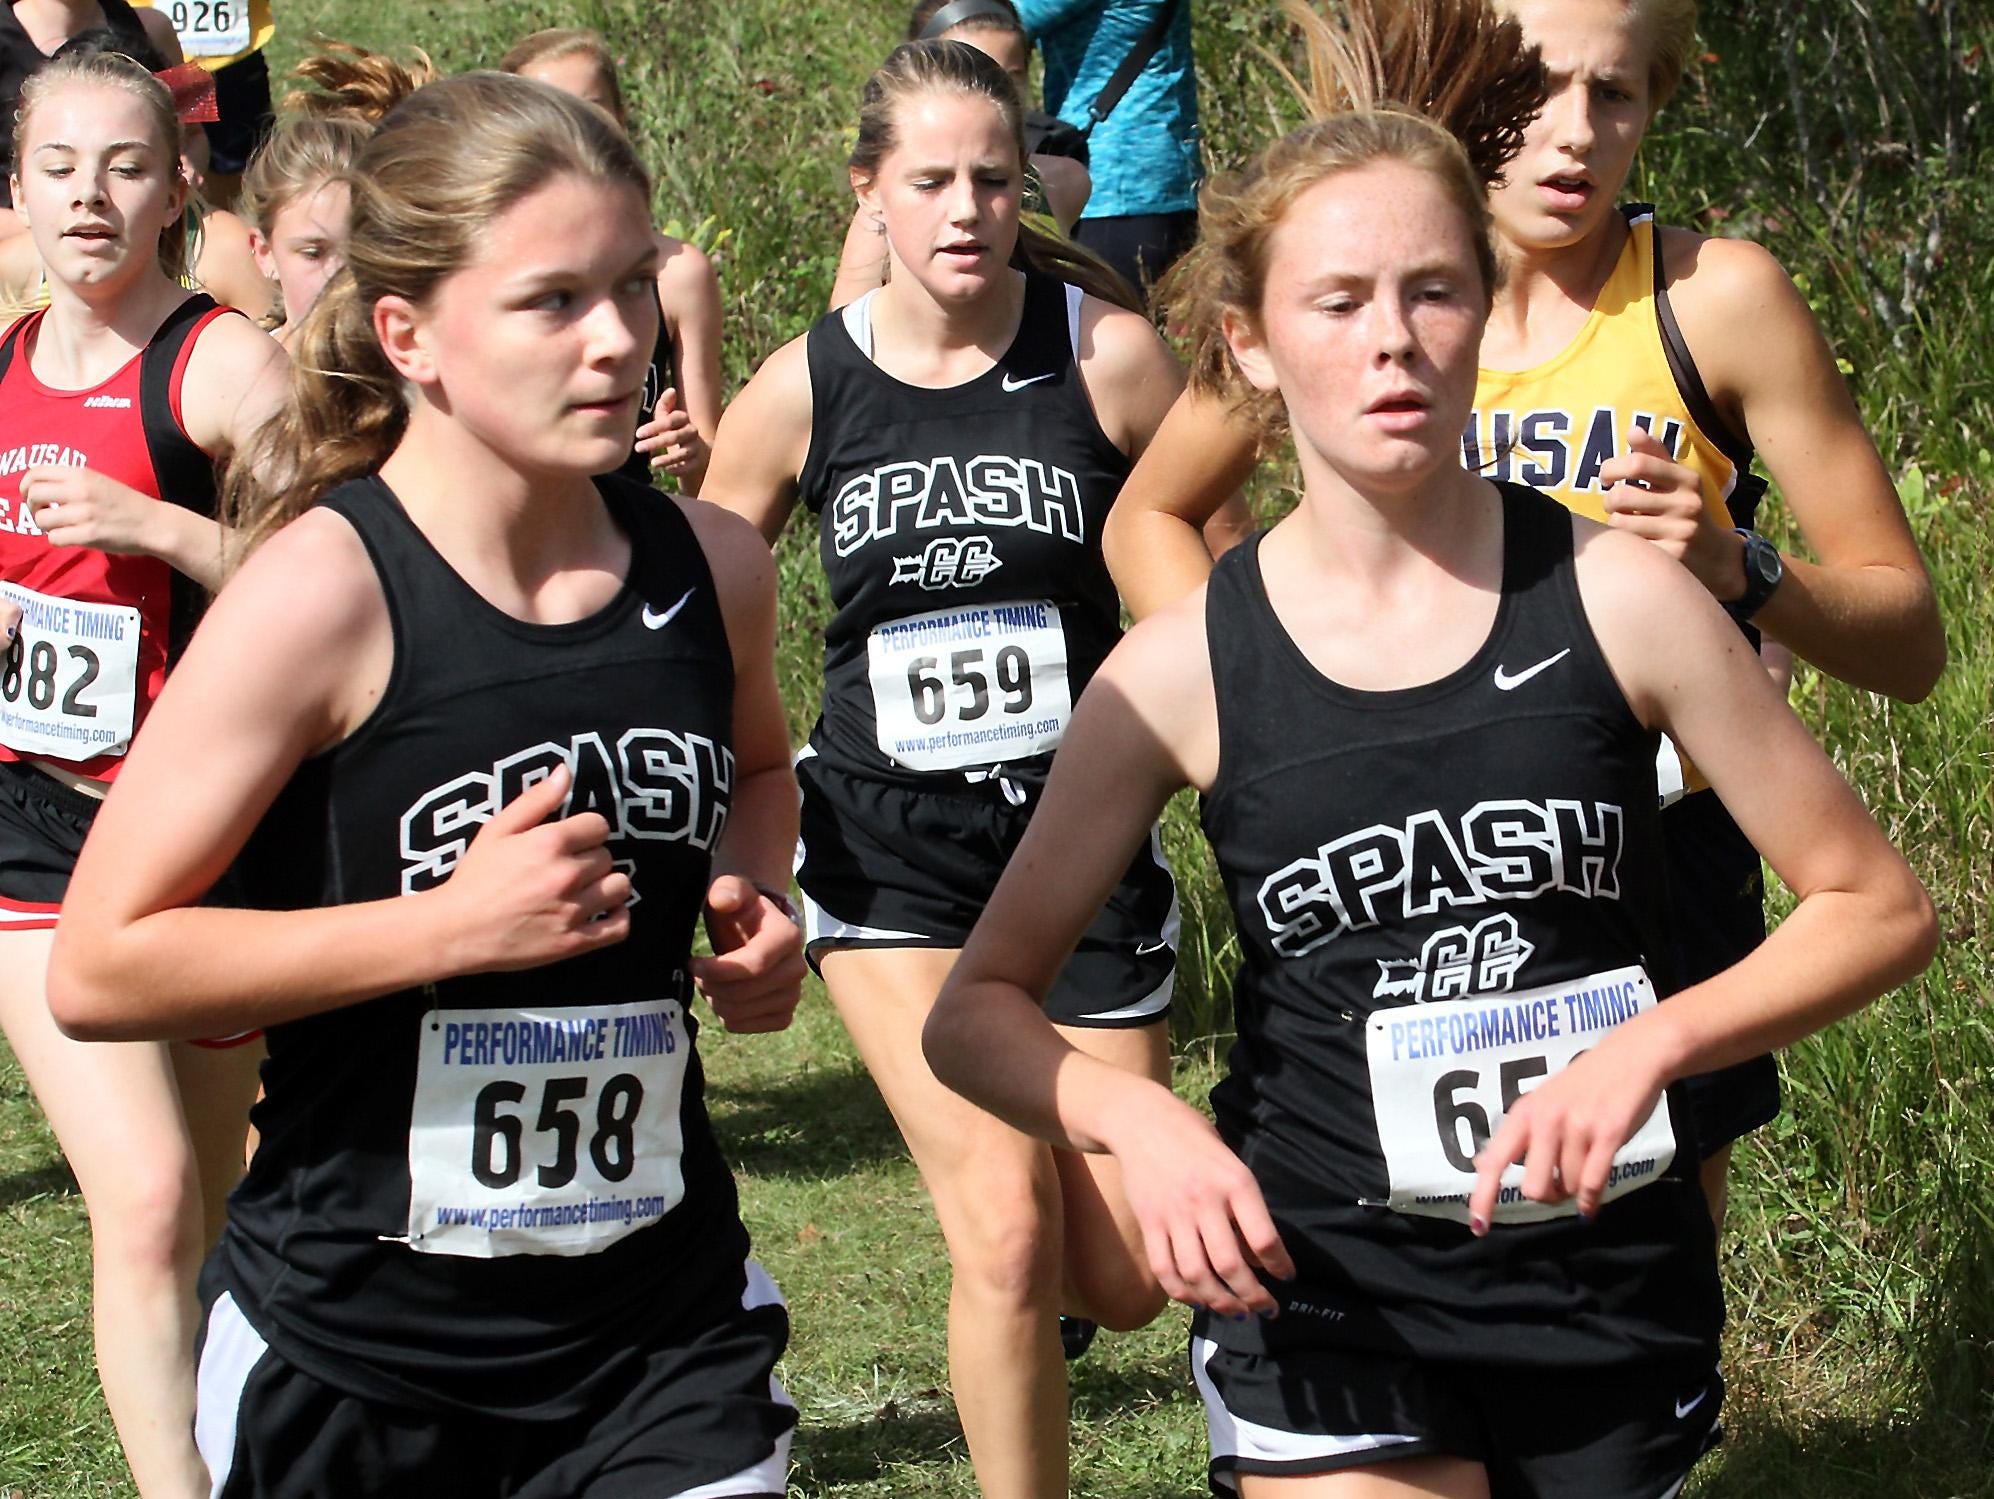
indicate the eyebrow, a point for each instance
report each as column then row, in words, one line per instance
column 133, row 145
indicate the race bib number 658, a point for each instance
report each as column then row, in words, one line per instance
column 545, row 1131
column 1443, row 1076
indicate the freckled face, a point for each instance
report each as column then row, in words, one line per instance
column 1370, row 323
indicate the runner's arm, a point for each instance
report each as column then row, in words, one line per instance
column 689, row 293
column 763, row 440
column 256, row 693
column 1864, row 609
column 756, row 976
column 1863, row 923
column 1158, row 541
column 1145, row 726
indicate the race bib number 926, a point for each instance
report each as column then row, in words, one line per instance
column 545, row 1131
column 1444, row 1076
column 210, row 28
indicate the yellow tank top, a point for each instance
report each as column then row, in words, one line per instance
column 1552, row 426
column 215, row 33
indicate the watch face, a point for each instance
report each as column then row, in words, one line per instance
column 1765, row 561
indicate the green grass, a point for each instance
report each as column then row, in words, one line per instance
column 1860, row 1254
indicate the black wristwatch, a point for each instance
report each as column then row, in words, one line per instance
column 1764, row 569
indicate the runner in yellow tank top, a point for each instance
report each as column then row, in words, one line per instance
column 1558, row 424
column 1576, row 329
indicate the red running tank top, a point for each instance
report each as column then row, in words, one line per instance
column 98, row 629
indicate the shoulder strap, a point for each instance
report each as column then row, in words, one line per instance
column 186, row 475
column 11, row 341
column 1138, row 59
column 1689, row 384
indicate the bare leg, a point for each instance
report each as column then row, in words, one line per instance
column 116, row 1114
column 216, row 1087
column 997, row 1196
column 1407, row 1478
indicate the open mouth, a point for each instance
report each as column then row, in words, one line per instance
column 1568, row 191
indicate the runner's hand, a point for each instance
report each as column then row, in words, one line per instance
column 74, row 507
column 1650, row 495
column 1566, row 1129
column 529, row 891
column 755, row 977
column 1204, row 1223
column 670, row 439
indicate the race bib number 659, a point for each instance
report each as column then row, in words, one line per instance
column 1443, row 1077
column 978, row 684
column 545, row 1131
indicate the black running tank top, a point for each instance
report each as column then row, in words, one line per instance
column 1442, row 894
column 961, row 537
column 480, row 1194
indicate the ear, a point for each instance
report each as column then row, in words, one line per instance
column 1249, row 350
column 262, row 254
column 399, row 326
column 20, row 205
column 866, row 189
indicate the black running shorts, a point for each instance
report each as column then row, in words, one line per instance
column 1325, row 1409
column 702, row 1418
column 882, row 865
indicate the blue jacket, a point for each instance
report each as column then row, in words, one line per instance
column 1144, row 156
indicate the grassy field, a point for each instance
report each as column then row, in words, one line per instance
column 1860, row 1253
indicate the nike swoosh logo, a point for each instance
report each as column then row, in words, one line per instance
column 656, row 621
column 1010, row 384
column 1144, row 949
column 1684, row 1408
column 1509, row 682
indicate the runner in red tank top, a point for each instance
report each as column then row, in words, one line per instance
column 115, row 402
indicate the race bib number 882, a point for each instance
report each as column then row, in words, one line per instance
column 1443, row 1076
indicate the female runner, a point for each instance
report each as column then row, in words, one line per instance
column 115, row 400
column 962, row 432
column 294, row 197
column 488, row 1245
column 1423, row 713
column 1612, row 356
column 1054, row 184
column 216, row 257
column 682, row 392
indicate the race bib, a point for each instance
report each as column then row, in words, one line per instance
column 209, row 28
column 979, row 684
column 545, row 1131
column 69, row 688
column 1444, row 1075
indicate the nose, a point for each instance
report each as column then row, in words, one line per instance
column 963, row 205
column 1392, row 338
column 1574, row 108
column 613, row 335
